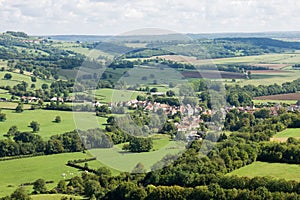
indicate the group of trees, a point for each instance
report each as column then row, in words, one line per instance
column 287, row 152
column 139, row 144
column 25, row 143
column 260, row 125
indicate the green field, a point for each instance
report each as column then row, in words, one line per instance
column 275, row 170
column 283, row 58
column 274, row 101
column 121, row 160
column 16, row 172
column 70, row 121
column 290, row 132
column 4, row 94
column 18, row 78
column 95, row 164
column 13, row 105
column 268, row 79
column 54, row 197
column 106, row 95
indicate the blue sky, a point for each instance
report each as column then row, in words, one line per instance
column 106, row 17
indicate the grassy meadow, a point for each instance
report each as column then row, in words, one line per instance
column 274, row 170
column 70, row 121
column 18, row 78
column 290, row 132
column 50, row 168
column 121, row 160
column 54, row 197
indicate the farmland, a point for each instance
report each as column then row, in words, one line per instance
column 121, row 160
column 18, row 78
column 110, row 95
column 289, row 97
column 275, row 170
column 243, row 150
column 54, row 197
column 283, row 59
column 26, row 170
column 82, row 120
column 290, row 132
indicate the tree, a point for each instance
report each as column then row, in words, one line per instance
column 91, row 187
column 7, row 76
column 170, row 93
column 19, row 108
column 2, row 117
column 139, row 144
column 20, row 194
column 39, row 186
column 57, row 119
column 153, row 90
column 35, row 126
column 139, row 168
column 45, row 86
column 12, row 131
column 33, row 79
column 262, row 113
column 61, row 187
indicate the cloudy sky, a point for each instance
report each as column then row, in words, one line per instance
column 106, row 17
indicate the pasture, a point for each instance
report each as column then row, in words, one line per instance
column 13, row 105
column 4, row 94
column 274, row 170
column 106, row 95
column 50, row 168
column 18, row 78
column 70, row 121
column 269, row 78
column 121, row 160
column 290, row 132
column 267, row 101
column 54, row 197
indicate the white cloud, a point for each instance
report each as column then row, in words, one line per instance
column 118, row 16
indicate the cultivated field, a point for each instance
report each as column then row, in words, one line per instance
column 50, row 168
column 290, row 96
column 275, row 170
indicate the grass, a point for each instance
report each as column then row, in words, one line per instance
column 121, row 160
column 51, row 167
column 13, row 105
column 70, row 121
column 54, row 197
column 106, row 95
column 4, row 94
column 267, row 79
column 95, row 164
column 275, row 170
column 290, row 132
column 18, row 78
column 274, row 101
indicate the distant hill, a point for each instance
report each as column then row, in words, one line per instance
column 265, row 42
column 91, row 38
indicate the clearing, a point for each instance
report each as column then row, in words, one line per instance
column 274, row 170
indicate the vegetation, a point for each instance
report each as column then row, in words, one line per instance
column 275, row 170
column 53, row 142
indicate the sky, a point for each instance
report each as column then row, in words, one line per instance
column 116, row 17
